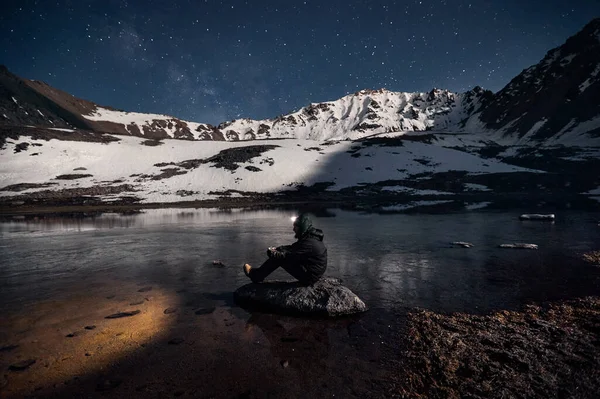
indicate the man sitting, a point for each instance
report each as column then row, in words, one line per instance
column 305, row 260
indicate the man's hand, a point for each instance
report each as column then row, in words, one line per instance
column 271, row 251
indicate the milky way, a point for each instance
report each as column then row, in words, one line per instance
column 211, row 61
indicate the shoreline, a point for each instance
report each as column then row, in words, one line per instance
column 273, row 201
column 227, row 352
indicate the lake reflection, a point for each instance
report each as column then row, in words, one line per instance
column 396, row 260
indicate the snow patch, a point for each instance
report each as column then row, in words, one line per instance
column 534, row 129
column 15, row 100
column 402, row 207
column 568, row 59
column 39, row 112
column 476, row 187
column 61, row 129
column 588, row 82
column 477, row 205
column 129, row 161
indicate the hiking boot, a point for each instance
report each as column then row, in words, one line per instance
column 247, row 269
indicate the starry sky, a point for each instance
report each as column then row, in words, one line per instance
column 216, row 60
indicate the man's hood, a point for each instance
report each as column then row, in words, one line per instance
column 315, row 233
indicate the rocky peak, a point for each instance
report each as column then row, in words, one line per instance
column 560, row 91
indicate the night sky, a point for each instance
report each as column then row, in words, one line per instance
column 211, row 61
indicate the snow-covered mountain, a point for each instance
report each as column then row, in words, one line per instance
column 556, row 101
column 366, row 113
column 26, row 102
column 537, row 137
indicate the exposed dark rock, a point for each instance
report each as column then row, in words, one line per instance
column 230, row 157
column 72, row 176
column 170, row 310
column 152, row 143
column 176, row 341
column 22, row 365
column 327, row 297
column 122, row 314
column 21, row 147
column 73, row 334
column 253, row 168
column 92, row 327
column 26, row 186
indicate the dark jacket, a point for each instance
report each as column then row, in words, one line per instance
column 308, row 253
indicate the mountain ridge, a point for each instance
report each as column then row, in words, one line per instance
column 556, row 101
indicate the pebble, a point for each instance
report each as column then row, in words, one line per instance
column 8, row 348
column 202, row 311
column 462, row 244
column 285, row 364
column 176, row 341
column 73, row 334
column 90, row 327
column 145, row 289
column 137, row 303
column 519, row 246
column 122, row 314
column 110, row 296
column 170, row 310
column 22, row 365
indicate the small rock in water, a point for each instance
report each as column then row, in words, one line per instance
column 519, row 246
column 145, row 289
column 462, row 244
column 8, row 348
column 176, row 341
column 22, row 365
column 202, row 311
column 122, row 314
column 170, row 310
column 90, row 327
column 137, row 303
column 537, row 216
column 73, row 334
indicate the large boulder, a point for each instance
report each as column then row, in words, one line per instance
column 327, row 297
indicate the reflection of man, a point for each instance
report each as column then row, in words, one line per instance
column 304, row 346
column 305, row 260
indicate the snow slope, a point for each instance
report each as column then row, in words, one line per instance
column 289, row 164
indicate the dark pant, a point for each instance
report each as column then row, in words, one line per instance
column 259, row 274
